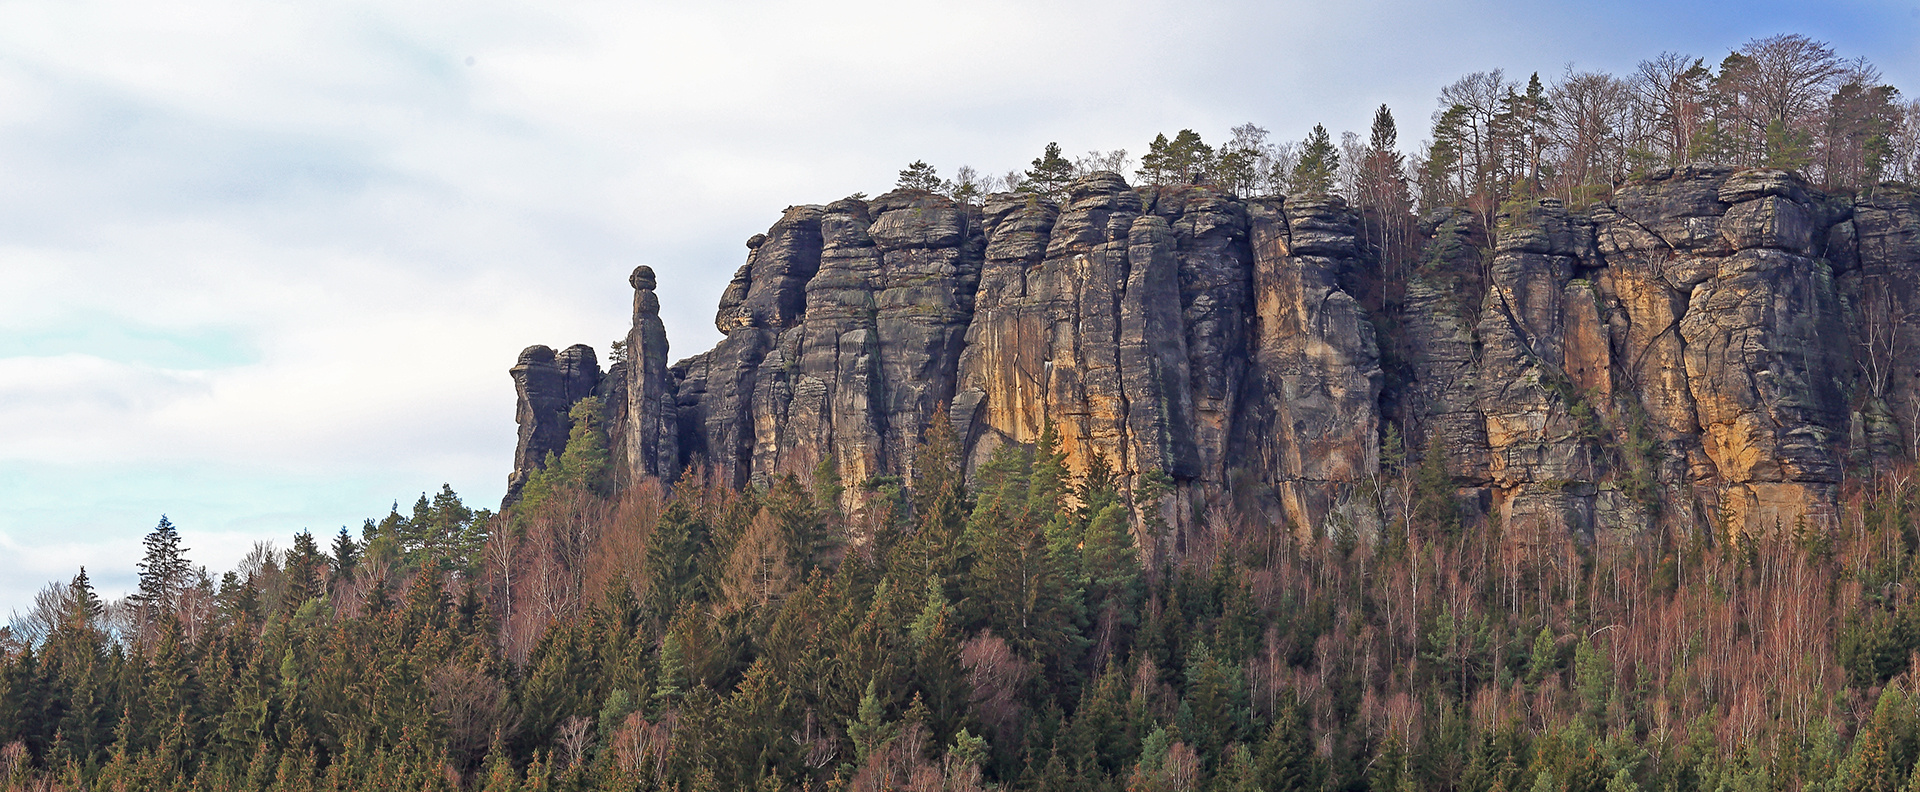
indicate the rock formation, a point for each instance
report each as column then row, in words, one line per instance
column 1707, row 350
column 547, row 385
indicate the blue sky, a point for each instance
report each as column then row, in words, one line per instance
column 265, row 263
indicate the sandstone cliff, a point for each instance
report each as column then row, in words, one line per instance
column 1707, row 350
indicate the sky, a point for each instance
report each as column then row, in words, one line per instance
column 264, row 263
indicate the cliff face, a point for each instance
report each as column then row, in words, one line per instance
column 1708, row 350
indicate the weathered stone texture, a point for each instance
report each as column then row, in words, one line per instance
column 546, row 386
column 1705, row 349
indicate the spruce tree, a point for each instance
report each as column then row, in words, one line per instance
column 1319, row 164
column 346, row 554
column 85, row 605
column 163, row 573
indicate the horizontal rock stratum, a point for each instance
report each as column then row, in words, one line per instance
column 1708, row 350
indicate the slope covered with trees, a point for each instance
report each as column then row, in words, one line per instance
column 1007, row 633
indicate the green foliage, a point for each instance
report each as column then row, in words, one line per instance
column 1185, row 159
column 1319, row 164
column 920, row 176
column 1433, row 491
column 1008, row 635
column 1049, row 174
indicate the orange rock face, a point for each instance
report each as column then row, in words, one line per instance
column 1705, row 350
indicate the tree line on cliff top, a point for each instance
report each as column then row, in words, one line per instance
column 1785, row 101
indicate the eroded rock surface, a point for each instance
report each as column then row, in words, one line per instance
column 1706, row 349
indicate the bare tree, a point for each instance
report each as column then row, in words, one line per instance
column 1670, row 93
column 1878, row 320
column 1477, row 100
column 1787, row 77
column 1091, row 162
column 1593, row 115
column 574, row 738
column 51, row 604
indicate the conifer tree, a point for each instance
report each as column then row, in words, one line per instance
column 346, row 554
column 1319, row 163
column 85, row 605
column 164, row 574
column 1049, row 174
column 1154, row 168
column 918, row 176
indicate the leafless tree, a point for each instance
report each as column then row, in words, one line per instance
column 575, row 737
column 1780, row 80
column 1879, row 321
column 1670, row 96
column 1480, row 95
column 51, row 604
column 471, row 703
column 1592, row 117
column 1116, row 161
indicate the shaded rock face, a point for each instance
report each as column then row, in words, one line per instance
column 649, row 424
column 1310, row 423
column 547, row 384
column 1703, row 351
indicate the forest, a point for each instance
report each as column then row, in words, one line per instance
column 1024, row 626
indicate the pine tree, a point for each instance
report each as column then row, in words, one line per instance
column 1433, row 492
column 1154, row 167
column 1319, row 163
column 1049, row 174
column 869, row 729
column 306, row 567
column 1188, row 159
column 586, row 464
column 918, row 176
column 1286, row 761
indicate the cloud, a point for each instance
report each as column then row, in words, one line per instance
column 265, row 264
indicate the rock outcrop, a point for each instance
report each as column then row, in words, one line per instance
column 1707, row 350
column 547, row 384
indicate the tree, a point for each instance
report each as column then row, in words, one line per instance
column 1783, row 78
column 1239, row 169
column 1385, row 204
column 1443, row 179
column 968, row 186
column 1049, row 174
column 1592, row 121
column 84, row 606
column 1520, row 131
column 346, row 553
column 1470, row 105
column 1319, row 162
column 759, row 571
column 1184, row 160
column 1153, row 167
column 1862, row 120
column 1670, row 94
column 164, row 575
column 918, row 176
column 305, row 570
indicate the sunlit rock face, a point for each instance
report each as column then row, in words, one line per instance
column 1706, row 350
